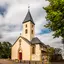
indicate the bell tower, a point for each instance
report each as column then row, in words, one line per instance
column 28, row 26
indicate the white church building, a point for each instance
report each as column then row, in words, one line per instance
column 27, row 47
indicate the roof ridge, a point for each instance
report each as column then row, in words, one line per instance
column 22, row 38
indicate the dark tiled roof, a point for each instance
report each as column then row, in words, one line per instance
column 36, row 41
column 33, row 41
column 48, row 46
column 28, row 18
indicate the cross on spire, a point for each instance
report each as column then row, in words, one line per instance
column 28, row 17
column 28, row 7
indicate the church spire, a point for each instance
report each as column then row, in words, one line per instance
column 28, row 17
column 28, row 26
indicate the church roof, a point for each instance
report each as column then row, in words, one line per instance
column 26, row 40
column 23, row 39
column 36, row 41
column 28, row 18
column 33, row 41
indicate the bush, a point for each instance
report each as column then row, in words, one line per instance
column 16, row 60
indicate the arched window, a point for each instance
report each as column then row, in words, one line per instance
column 32, row 31
column 32, row 26
column 26, row 25
column 26, row 31
column 33, row 50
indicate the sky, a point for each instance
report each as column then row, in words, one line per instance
column 12, row 14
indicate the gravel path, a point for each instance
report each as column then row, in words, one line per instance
column 5, row 61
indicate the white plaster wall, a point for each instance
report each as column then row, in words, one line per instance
column 29, row 27
column 26, row 50
column 25, row 47
column 37, row 55
column 14, row 51
column 43, row 48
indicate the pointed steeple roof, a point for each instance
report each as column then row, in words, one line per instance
column 28, row 18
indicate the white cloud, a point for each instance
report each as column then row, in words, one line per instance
column 1, row 20
column 10, row 36
column 15, row 15
column 17, row 12
column 48, row 40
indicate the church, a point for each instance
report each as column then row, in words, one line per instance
column 27, row 47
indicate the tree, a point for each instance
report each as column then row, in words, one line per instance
column 0, row 50
column 5, row 50
column 55, row 17
column 50, row 52
column 57, row 51
column 57, row 55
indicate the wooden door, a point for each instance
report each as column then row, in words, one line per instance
column 20, row 55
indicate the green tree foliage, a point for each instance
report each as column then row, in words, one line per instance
column 57, row 56
column 55, row 17
column 0, row 50
column 54, row 54
column 50, row 52
column 5, row 50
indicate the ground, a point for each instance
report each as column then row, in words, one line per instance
column 57, row 63
column 5, row 61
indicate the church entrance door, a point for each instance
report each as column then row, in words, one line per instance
column 20, row 55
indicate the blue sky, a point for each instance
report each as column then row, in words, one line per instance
column 3, row 9
column 12, row 14
column 45, row 31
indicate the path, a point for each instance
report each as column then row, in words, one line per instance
column 5, row 61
